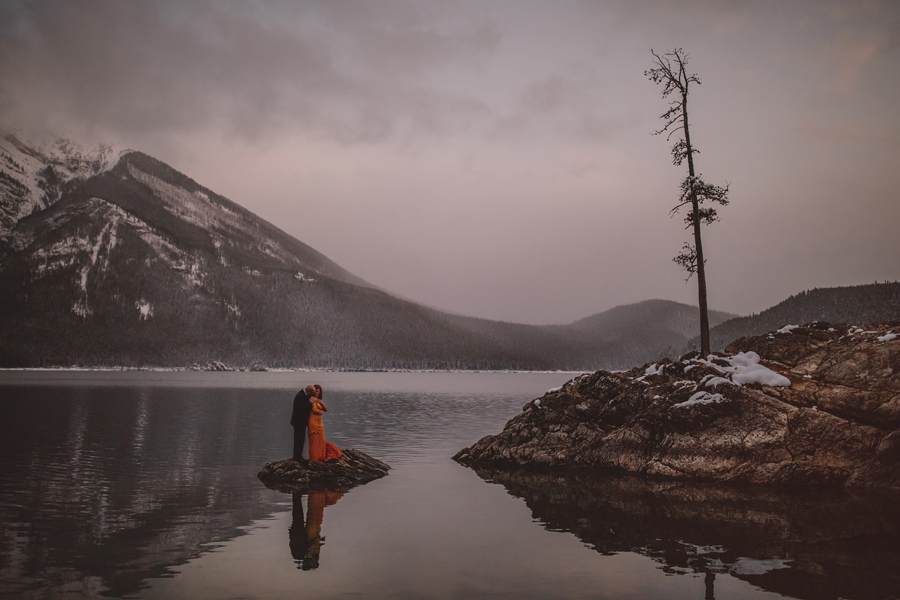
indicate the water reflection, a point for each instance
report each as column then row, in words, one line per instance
column 102, row 489
column 305, row 535
column 107, row 486
column 803, row 544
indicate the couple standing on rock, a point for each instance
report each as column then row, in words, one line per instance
column 307, row 414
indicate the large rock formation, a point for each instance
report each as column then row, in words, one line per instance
column 811, row 405
column 290, row 476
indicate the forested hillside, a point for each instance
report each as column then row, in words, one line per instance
column 876, row 302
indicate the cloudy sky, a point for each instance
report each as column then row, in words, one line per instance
column 495, row 158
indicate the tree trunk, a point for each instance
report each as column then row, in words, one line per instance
column 701, row 288
column 698, row 245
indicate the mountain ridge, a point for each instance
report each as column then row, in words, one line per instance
column 135, row 264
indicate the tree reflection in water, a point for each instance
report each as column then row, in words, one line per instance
column 305, row 534
column 806, row 544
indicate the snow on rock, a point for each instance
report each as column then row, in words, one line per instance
column 787, row 328
column 654, row 370
column 744, row 368
column 887, row 337
column 700, row 398
column 145, row 309
column 716, row 381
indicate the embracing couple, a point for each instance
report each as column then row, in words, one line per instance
column 307, row 414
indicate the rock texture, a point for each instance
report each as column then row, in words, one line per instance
column 291, row 476
column 811, row 405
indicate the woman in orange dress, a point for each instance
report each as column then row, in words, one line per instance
column 319, row 449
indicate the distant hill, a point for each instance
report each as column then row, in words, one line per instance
column 877, row 302
column 634, row 334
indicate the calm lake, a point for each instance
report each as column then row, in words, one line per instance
column 143, row 485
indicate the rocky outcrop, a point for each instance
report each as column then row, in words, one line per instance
column 338, row 475
column 812, row 405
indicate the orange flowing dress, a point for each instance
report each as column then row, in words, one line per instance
column 319, row 449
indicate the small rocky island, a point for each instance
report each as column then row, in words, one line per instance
column 290, row 476
column 811, row 405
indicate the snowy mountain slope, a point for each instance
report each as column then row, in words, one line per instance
column 133, row 263
column 204, row 221
column 79, row 240
column 118, row 259
column 139, row 265
column 33, row 175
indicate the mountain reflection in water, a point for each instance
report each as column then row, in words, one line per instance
column 804, row 544
column 106, row 488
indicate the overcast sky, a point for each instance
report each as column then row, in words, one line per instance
column 495, row 158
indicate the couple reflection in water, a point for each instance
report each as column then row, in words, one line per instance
column 305, row 533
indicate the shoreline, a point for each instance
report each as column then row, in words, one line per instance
column 274, row 370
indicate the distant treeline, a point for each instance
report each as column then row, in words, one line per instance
column 857, row 305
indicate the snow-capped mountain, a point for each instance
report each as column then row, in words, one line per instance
column 131, row 262
column 112, row 257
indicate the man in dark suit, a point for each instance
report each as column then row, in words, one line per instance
column 299, row 419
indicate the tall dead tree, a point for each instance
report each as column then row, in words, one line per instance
column 670, row 70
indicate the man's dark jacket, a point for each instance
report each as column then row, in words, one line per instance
column 299, row 419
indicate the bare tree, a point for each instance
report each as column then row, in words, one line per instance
column 670, row 70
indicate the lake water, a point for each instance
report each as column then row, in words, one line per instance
column 143, row 485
